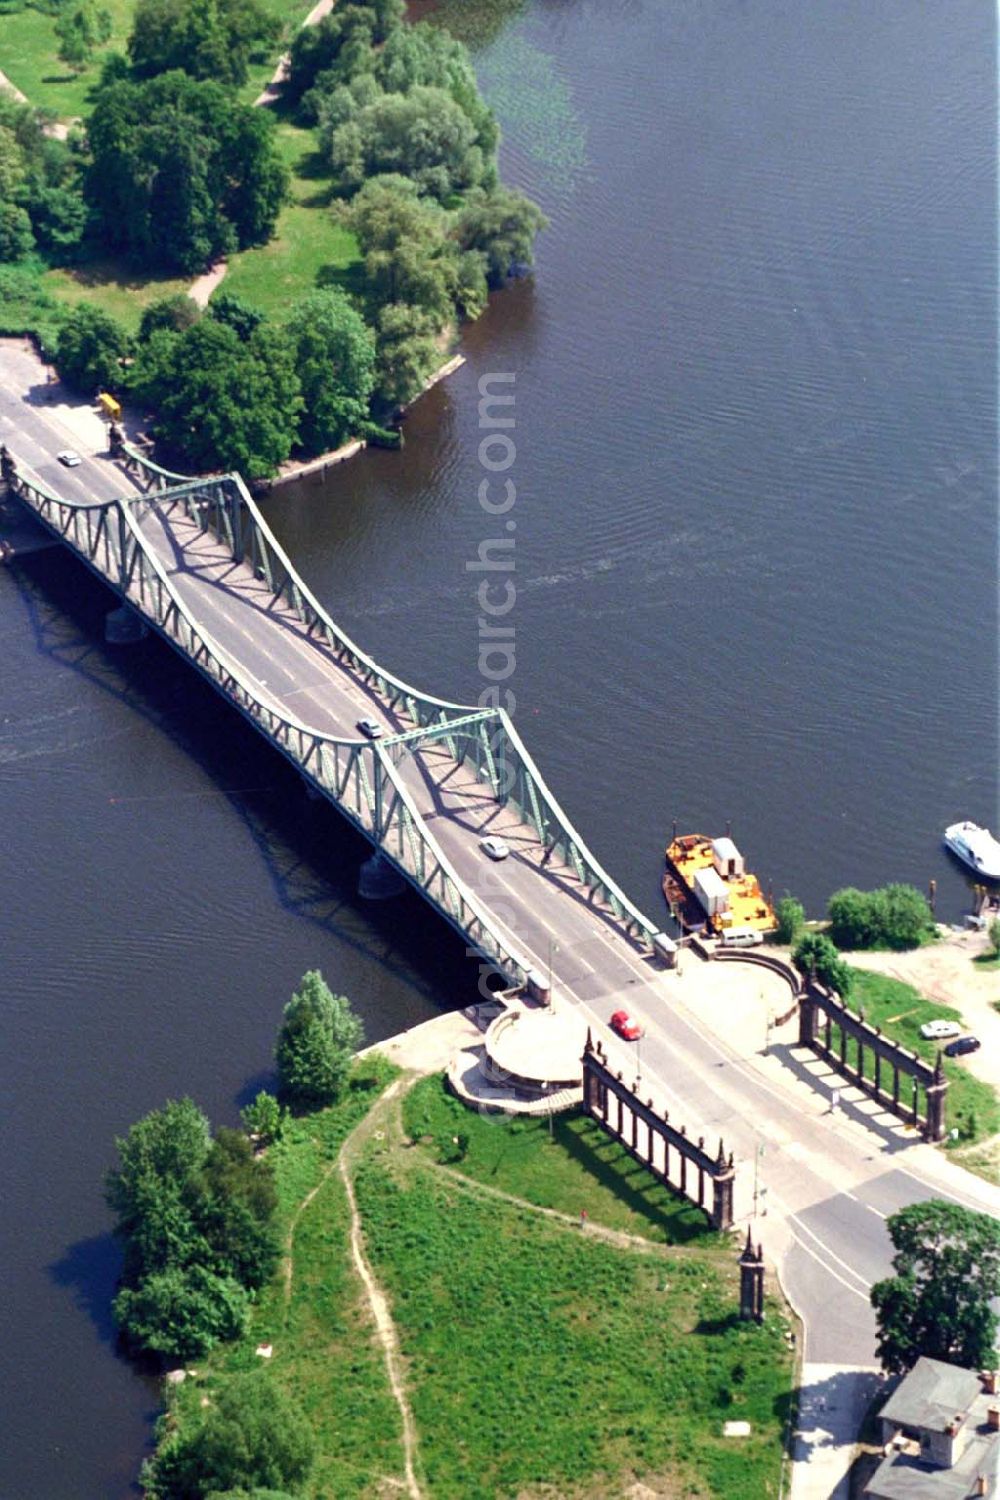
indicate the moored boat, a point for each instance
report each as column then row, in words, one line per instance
column 975, row 847
column 706, row 885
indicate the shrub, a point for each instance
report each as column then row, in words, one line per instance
column 815, row 953
column 895, row 916
column 791, row 919
column 318, row 1038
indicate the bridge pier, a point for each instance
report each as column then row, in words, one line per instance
column 123, row 627
column 378, row 880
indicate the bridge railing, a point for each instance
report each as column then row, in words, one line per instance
column 360, row 777
column 225, row 507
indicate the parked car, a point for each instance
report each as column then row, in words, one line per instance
column 626, row 1027
column 741, row 937
column 494, row 847
column 962, row 1045
column 936, row 1031
column 371, row 728
column 69, row 457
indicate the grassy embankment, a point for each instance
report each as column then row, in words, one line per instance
column 973, row 1106
column 536, row 1355
column 309, row 248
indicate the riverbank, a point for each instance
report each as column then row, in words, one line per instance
column 412, row 1275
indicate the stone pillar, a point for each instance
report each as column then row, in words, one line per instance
column 379, row 880
column 752, row 1282
column 808, row 1019
column 937, row 1094
column 722, row 1191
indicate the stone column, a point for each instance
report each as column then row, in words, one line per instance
column 752, row 1282
column 937, row 1094
column 722, row 1191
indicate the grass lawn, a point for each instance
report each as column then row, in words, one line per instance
column 575, row 1167
column 308, row 248
column 901, row 1010
column 28, row 57
column 539, row 1360
column 546, row 1361
column 108, row 284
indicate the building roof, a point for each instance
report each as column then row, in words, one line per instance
column 906, row 1477
column 724, row 848
column 932, row 1395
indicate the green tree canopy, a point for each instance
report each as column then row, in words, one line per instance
column 226, row 307
column 252, row 1437
column 791, row 919
column 181, row 1312
column 423, row 135
column 175, row 313
column 206, row 38
column 815, row 953
column 407, row 352
column 90, row 350
column 222, row 402
column 408, row 254
column 501, row 225
column 264, row 1118
column 181, row 174
column 16, row 235
column 334, row 353
column 895, row 916
column 80, row 31
column 940, row 1301
column 319, row 1035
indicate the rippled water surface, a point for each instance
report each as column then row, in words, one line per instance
column 756, row 561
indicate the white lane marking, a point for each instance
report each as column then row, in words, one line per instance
column 796, row 1222
column 872, row 1209
column 830, row 1271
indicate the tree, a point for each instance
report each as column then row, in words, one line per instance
column 252, row 1437
column 222, row 403
column 168, row 1147
column 407, row 352
column 815, row 953
column 81, row 32
column 895, row 916
column 791, row 919
column 264, row 1118
column 237, row 1216
column 940, row 1301
column 174, row 313
column 318, row 1038
column 423, row 135
column 334, row 353
column 16, row 237
column 227, row 308
column 181, row 1312
column 502, row 226
column 206, row 38
column 90, row 350
column 180, row 173
column 408, row 255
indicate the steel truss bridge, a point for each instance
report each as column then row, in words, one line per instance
column 196, row 561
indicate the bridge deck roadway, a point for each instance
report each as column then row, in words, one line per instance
column 830, row 1181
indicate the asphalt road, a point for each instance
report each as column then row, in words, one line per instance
column 830, row 1182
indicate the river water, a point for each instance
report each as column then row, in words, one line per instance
column 755, row 555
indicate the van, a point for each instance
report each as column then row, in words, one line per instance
column 741, row 937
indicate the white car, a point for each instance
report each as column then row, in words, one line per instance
column 937, row 1031
column 494, row 847
column 69, row 457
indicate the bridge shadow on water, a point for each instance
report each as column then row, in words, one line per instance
column 311, row 853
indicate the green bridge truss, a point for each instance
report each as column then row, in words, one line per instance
column 362, row 778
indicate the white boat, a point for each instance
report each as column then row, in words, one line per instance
column 975, row 847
